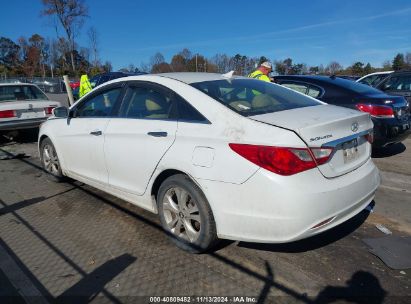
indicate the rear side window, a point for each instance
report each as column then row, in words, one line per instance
column 147, row 103
column 303, row 88
column 398, row 83
column 187, row 112
column 253, row 97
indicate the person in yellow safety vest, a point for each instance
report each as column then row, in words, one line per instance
column 262, row 72
column 85, row 86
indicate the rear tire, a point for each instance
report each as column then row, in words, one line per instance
column 186, row 215
column 50, row 161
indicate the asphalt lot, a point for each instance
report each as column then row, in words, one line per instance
column 63, row 240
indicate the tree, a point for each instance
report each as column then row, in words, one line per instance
column 71, row 14
column 186, row 53
column 368, row 69
column 398, row 63
column 162, row 67
column 386, row 65
column 9, row 52
column 314, row 70
column 357, row 68
column 93, row 40
column 262, row 59
column 107, row 67
column 222, row 63
column 333, row 68
column 157, row 59
column 197, row 63
column 279, row 67
column 408, row 59
column 39, row 49
column 179, row 63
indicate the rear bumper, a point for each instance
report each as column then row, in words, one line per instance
column 275, row 209
column 21, row 124
column 390, row 131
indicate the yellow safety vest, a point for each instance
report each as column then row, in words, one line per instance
column 257, row 74
column 85, row 86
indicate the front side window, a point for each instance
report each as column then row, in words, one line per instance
column 100, row 105
column 147, row 103
column 253, row 97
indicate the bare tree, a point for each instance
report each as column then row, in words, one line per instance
column 71, row 14
column 93, row 39
column 157, row 59
column 333, row 67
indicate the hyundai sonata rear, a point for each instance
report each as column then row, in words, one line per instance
column 217, row 156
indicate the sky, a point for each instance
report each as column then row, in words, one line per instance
column 312, row 32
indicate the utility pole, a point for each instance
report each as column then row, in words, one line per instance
column 196, row 64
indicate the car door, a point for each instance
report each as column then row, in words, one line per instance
column 136, row 141
column 82, row 137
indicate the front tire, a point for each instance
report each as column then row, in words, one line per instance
column 50, row 161
column 186, row 215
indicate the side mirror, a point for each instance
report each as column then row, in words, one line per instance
column 60, row 112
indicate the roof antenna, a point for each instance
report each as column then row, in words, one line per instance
column 228, row 75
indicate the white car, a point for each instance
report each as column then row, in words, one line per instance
column 23, row 106
column 217, row 156
column 374, row 78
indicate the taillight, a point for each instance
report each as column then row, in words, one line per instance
column 376, row 110
column 7, row 114
column 48, row 110
column 370, row 137
column 282, row 160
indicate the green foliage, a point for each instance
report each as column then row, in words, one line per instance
column 398, row 63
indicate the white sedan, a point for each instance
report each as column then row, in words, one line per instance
column 23, row 106
column 217, row 156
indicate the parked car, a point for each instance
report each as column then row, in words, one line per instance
column 374, row 79
column 217, row 156
column 74, row 84
column 397, row 83
column 390, row 114
column 23, row 106
column 99, row 79
column 53, row 85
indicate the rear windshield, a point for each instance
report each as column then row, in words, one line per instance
column 253, row 97
column 21, row 92
column 354, row 86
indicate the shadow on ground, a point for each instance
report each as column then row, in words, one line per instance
column 389, row 150
column 20, row 137
column 363, row 287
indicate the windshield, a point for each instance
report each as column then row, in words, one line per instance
column 21, row 92
column 253, row 97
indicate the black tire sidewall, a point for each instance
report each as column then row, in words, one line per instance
column 208, row 235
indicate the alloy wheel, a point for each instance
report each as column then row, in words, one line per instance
column 50, row 160
column 181, row 214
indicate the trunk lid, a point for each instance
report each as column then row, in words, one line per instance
column 28, row 109
column 343, row 129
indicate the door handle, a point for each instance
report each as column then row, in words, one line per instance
column 158, row 134
column 96, row 133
